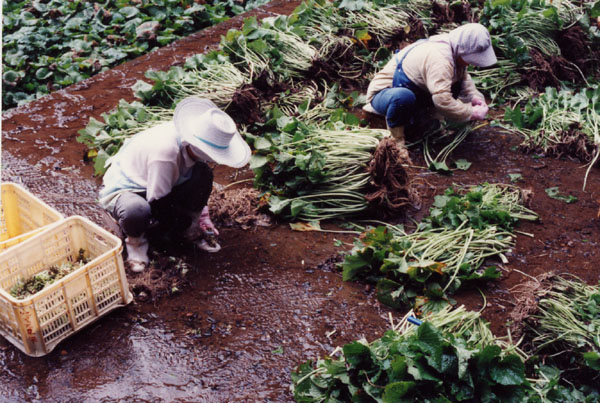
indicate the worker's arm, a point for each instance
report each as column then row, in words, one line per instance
column 468, row 92
column 438, row 76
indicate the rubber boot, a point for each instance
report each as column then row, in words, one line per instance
column 137, row 253
column 398, row 133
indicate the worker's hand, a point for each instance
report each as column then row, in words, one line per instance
column 479, row 112
column 205, row 223
column 477, row 101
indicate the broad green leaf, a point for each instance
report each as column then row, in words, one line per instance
column 395, row 391
column 356, row 263
column 259, row 46
column 440, row 167
column 391, row 293
column 595, row 10
column 592, row 360
column 262, row 143
column 430, row 339
column 554, row 193
column 357, row 354
column 297, row 206
column 462, row 164
column 129, row 12
column 10, row 76
column 258, row 161
column 277, row 204
column 43, row 73
column 509, row 371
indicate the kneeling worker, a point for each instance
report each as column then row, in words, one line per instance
column 435, row 69
column 161, row 174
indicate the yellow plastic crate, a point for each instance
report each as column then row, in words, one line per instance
column 22, row 215
column 39, row 322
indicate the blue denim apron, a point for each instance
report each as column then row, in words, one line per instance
column 400, row 78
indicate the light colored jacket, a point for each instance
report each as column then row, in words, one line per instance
column 431, row 66
column 153, row 161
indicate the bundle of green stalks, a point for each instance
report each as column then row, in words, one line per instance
column 444, row 253
column 217, row 80
column 291, row 101
column 271, row 47
column 452, row 251
column 568, row 317
column 384, row 22
column 313, row 173
column 560, row 122
column 457, row 360
column 468, row 325
column 499, row 81
column 459, row 133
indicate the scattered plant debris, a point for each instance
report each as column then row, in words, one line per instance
column 554, row 193
column 165, row 275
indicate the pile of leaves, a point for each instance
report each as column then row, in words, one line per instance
column 444, row 253
column 52, row 44
column 454, row 361
column 23, row 289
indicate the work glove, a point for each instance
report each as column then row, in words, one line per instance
column 205, row 223
column 479, row 112
column 477, row 101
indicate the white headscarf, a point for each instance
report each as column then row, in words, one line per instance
column 472, row 42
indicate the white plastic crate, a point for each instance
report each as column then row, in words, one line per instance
column 39, row 322
column 22, row 215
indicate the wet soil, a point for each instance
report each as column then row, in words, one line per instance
column 249, row 314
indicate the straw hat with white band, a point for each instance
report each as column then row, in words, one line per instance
column 206, row 128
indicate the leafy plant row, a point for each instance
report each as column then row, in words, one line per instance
column 538, row 43
column 444, row 253
column 452, row 356
column 340, row 36
column 48, row 45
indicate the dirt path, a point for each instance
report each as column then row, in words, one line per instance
column 252, row 312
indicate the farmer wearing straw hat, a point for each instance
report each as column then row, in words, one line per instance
column 161, row 175
column 433, row 69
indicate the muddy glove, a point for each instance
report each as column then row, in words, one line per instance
column 209, row 241
column 477, row 101
column 479, row 112
column 205, row 223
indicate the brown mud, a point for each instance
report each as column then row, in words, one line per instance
column 242, row 319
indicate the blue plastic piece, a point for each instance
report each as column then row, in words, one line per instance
column 414, row 321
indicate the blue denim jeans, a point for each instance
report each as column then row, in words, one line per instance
column 397, row 104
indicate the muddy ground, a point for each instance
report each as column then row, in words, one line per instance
column 269, row 300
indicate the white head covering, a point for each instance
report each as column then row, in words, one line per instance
column 210, row 132
column 472, row 42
